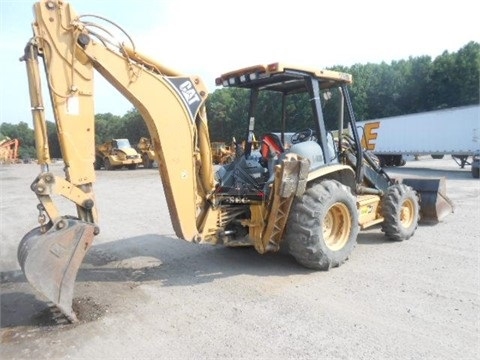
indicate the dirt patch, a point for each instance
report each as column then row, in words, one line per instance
column 87, row 309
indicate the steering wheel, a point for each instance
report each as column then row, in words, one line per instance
column 301, row 136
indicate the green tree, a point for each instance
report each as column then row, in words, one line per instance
column 442, row 80
column 363, row 76
column 467, row 75
column 133, row 127
column 106, row 126
column 415, row 90
column 227, row 111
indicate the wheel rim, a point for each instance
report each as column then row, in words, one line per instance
column 406, row 213
column 336, row 226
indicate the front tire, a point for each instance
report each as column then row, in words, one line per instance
column 323, row 226
column 401, row 212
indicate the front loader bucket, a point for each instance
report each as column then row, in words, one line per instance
column 434, row 202
column 50, row 260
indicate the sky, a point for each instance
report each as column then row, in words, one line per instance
column 211, row 37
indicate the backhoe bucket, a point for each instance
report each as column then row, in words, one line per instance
column 434, row 202
column 50, row 260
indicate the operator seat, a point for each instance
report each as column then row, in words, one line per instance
column 271, row 148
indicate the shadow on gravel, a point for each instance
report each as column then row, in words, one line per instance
column 174, row 261
column 163, row 259
column 24, row 309
column 375, row 237
column 179, row 263
column 167, row 260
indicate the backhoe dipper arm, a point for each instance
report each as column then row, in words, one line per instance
column 173, row 107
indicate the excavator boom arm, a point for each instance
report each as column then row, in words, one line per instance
column 171, row 104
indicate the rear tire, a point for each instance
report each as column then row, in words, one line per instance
column 401, row 212
column 323, row 226
column 97, row 165
column 147, row 163
column 107, row 164
column 475, row 172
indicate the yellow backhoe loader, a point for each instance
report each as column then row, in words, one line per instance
column 312, row 197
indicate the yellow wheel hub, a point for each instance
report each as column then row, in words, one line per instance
column 406, row 213
column 336, row 226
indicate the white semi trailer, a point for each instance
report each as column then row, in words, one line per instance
column 453, row 131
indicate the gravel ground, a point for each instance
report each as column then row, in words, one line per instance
column 143, row 294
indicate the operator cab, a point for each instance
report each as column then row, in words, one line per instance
column 121, row 144
column 305, row 119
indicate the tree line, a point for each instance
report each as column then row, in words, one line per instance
column 409, row 86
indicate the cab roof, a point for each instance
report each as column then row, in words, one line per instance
column 280, row 77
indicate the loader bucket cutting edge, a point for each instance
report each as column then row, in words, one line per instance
column 50, row 260
column 434, row 202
